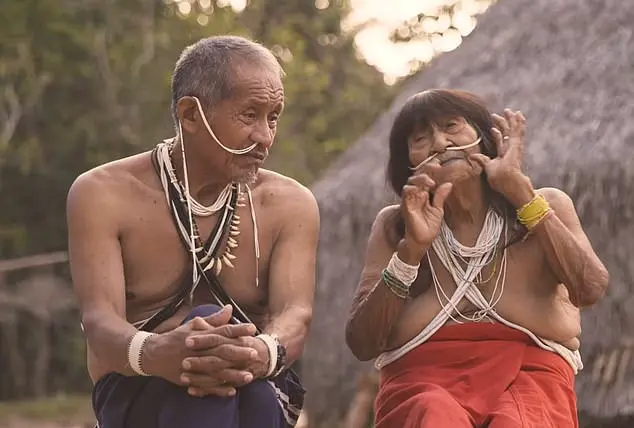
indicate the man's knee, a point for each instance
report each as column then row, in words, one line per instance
column 177, row 408
column 256, row 398
column 202, row 311
column 258, row 394
column 258, row 405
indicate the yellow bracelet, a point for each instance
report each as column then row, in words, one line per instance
column 533, row 212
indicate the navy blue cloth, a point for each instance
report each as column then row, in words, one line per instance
column 151, row 402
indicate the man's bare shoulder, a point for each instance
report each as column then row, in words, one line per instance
column 289, row 206
column 102, row 188
column 284, row 193
column 110, row 178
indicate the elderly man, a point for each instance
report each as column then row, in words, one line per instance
column 194, row 268
column 472, row 287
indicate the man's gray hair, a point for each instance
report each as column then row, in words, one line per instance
column 205, row 69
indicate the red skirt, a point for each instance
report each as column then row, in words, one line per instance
column 477, row 375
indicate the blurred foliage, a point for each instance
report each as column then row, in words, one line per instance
column 84, row 82
column 438, row 28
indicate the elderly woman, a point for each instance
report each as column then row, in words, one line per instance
column 472, row 286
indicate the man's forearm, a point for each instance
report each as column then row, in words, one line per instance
column 291, row 327
column 108, row 337
column 582, row 273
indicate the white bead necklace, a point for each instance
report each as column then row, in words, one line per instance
column 451, row 252
column 197, row 208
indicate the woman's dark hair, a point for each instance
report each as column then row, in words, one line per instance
column 428, row 108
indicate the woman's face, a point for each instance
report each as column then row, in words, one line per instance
column 430, row 144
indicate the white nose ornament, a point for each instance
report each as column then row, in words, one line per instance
column 227, row 149
column 452, row 148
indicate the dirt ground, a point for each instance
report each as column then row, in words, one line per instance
column 25, row 423
column 56, row 412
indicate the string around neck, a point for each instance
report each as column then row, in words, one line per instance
column 204, row 254
column 450, row 252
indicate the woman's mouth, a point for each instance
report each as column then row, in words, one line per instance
column 447, row 161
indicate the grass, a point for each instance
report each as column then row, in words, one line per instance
column 62, row 411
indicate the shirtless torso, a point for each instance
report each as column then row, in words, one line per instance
column 156, row 264
column 472, row 243
column 532, row 298
column 550, row 273
column 198, row 210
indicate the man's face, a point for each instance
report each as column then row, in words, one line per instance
column 248, row 117
column 434, row 140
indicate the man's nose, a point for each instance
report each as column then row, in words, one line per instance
column 263, row 135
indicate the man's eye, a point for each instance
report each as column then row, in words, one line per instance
column 250, row 115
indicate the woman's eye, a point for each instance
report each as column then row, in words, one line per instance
column 417, row 142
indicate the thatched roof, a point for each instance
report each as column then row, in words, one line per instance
column 567, row 64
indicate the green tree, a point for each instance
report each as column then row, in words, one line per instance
column 84, row 82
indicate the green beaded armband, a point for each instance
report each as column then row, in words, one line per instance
column 397, row 287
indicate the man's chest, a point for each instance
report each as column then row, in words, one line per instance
column 158, row 262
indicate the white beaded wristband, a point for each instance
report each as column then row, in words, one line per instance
column 272, row 346
column 135, row 351
column 402, row 271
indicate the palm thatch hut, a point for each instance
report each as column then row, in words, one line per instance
column 567, row 64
